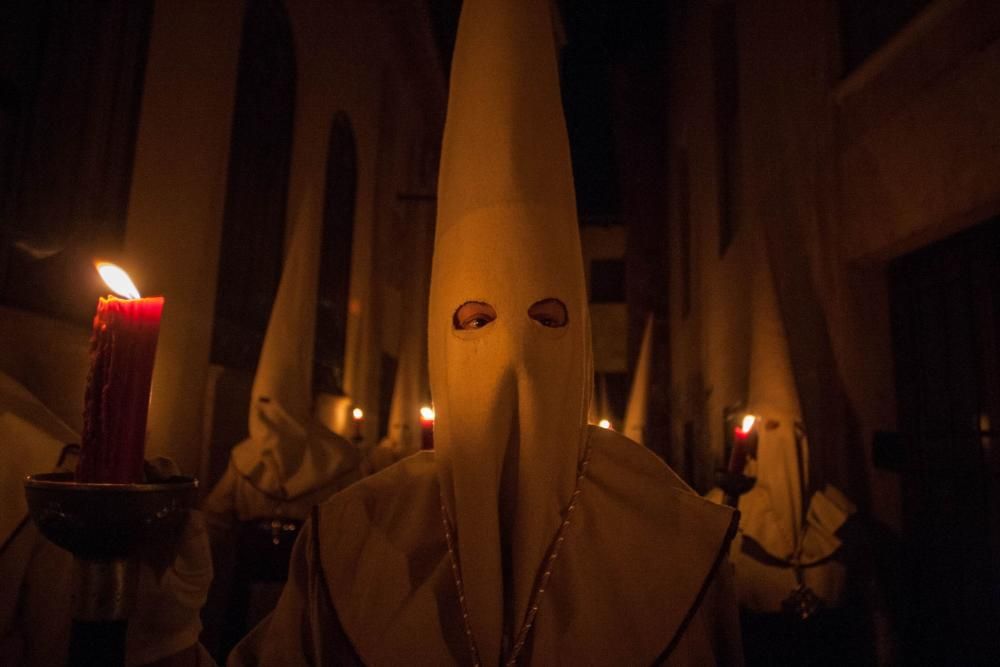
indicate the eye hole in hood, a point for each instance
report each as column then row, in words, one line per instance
column 549, row 313
column 473, row 315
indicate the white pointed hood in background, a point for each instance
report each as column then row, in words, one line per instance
column 410, row 390
column 513, row 394
column 288, row 453
column 600, row 406
column 772, row 512
column 602, row 400
column 636, row 412
column 407, row 396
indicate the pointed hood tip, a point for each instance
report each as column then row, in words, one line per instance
column 505, row 140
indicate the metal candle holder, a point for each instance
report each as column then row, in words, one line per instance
column 106, row 527
column 733, row 486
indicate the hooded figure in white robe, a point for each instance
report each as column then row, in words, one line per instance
column 787, row 552
column 409, row 391
column 798, row 539
column 526, row 536
column 290, row 461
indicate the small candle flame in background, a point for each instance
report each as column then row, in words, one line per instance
column 747, row 425
column 117, row 280
column 357, row 413
column 426, row 427
column 604, row 423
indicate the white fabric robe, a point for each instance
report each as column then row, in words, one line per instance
column 642, row 579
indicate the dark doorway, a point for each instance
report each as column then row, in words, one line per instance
column 946, row 333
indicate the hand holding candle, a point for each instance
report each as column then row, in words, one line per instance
column 122, row 351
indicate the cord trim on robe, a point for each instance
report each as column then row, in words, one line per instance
column 288, row 499
column 14, row 533
column 719, row 558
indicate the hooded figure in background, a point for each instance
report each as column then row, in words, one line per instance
column 409, row 391
column 787, row 554
column 638, row 397
column 289, row 463
column 526, row 536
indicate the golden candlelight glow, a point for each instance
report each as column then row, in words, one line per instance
column 748, row 422
column 427, row 413
column 604, row 423
column 358, row 413
column 117, row 280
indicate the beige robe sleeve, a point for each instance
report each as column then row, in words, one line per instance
column 303, row 629
column 712, row 637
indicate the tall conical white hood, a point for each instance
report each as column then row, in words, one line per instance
column 512, row 397
column 289, row 453
column 409, row 392
column 284, row 370
column 793, row 528
column 772, row 510
column 638, row 398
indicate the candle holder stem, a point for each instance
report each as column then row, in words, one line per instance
column 104, row 594
column 733, row 486
column 97, row 643
column 106, row 527
column 104, row 590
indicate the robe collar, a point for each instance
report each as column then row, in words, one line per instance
column 638, row 557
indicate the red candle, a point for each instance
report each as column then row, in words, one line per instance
column 741, row 445
column 358, row 415
column 122, row 350
column 426, row 427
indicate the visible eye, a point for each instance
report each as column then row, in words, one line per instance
column 473, row 315
column 549, row 313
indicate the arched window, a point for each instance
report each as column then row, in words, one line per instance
column 335, row 265
column 253, row 232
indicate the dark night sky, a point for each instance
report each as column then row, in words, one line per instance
column 600, row 34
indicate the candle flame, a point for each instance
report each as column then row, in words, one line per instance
column 358, row 413
column 117, row 280
column 748, row 422
column 604, row 423
column 427, row 413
